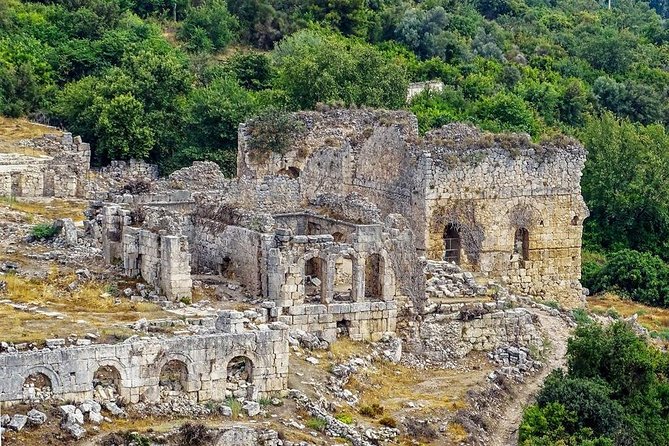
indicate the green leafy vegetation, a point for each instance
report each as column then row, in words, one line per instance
column 44, row 231
column 615, row 392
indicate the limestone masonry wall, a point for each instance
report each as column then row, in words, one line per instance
column 60, row 171
column 138, row 364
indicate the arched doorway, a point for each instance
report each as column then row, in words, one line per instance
column 173, row 378
column 106, row 383
column 37, row 387
column 452, row 244
column 239, row 377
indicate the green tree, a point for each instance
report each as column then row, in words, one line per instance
column 122, row 130
column 209, row 26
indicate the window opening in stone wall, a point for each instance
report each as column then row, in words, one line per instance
column 374, row 276
column 521, row 243
column 314, row 279
column 339, row 237
column 106, row 383
column 224, row 267
column 37, row 387
column 574, row 221
column 292, row 172
column 239, row 376
column 452, row 244
column 343, row 328
column 343, row 280
column 313, row 228
column 173, row 377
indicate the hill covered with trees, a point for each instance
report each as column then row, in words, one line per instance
column 170, row 80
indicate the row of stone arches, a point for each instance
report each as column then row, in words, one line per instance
column 453, row 244
column 108, row 384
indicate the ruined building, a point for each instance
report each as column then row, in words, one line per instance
column 344, row 201
column 351, row 222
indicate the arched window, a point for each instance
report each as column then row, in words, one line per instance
column 452, row 244
column 521, row 244
column 339, row 237
column 343, row 280
column 37, row 387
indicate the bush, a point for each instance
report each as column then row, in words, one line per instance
column 317, row 424
column 371, row 411
column 388, row 422
column 192, row 434
column 345, row 418
column 643, row 277
column 44, row 231
column 273, row 130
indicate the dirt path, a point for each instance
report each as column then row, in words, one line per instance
column 557, row 330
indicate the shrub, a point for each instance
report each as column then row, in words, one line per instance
column 317, row 424
column 371, row 411
column 388, row 422
column 643, row 277
column 44, row 231
column 273, row 130
column 581, row 316
column 235, row 406
column 345, row 418
column 420, row 430
column 195, row 434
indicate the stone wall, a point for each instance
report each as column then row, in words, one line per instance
column 416, row 88
column 515, row 207
column 138, row 364
column 60, row 171
column 453, row 330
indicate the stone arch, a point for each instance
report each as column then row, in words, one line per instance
column 452, row 244
column 37, row 386
column 173, row 378
column 47, row 372
column 107, row 383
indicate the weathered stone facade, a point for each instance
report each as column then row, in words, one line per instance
column 506, row 207
column 136, row 368
column 59, row 171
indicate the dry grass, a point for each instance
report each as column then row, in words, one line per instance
column 49, row 209
column 13, row 130
column 83, row 310
column 457, row 433
column 655, row 319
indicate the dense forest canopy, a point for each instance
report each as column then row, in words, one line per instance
column 170, row 80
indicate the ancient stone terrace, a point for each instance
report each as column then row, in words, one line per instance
column 198, row 367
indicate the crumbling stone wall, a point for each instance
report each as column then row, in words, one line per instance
column 70, row 371
column 61, row 171
column 451, row 331
column 162, row 260
column 514, row 209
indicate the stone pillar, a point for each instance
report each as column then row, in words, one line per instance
column 175, row 277
column 358, row 279
column 327, row 287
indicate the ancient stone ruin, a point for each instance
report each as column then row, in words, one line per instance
column 358, row 227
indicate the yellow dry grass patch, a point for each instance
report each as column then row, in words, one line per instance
column 457, row 432
column 49, row 209
column 393, row 385
column 653, row 318
column 12, row 130
column 84, row 310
